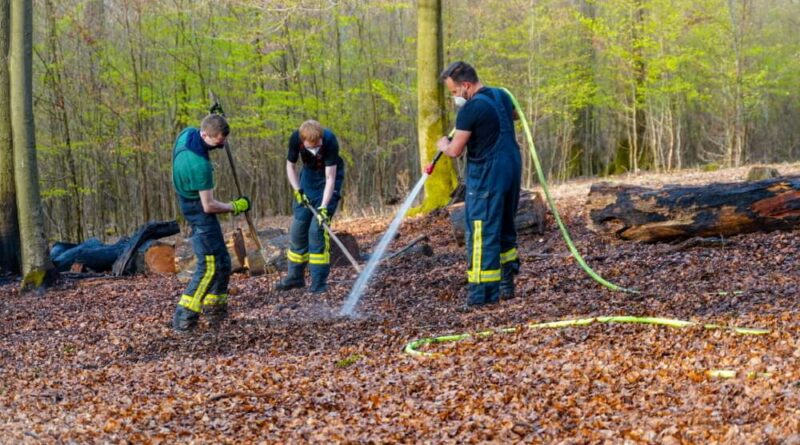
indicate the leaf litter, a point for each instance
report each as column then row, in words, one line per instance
column 96, row 361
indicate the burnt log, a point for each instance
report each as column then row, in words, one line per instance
column 677, row 212
column 92, row 254
column 125, row 263
column 531, row 216
column 60, row 247
column 338, row 258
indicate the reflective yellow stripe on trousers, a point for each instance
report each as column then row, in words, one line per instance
column 509, row 256
column 193, row 302
column 476, row 275
column 299, row 258
column 215, row 300
column 325, row 256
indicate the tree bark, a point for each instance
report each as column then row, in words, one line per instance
column 675, row 213
column 430, row 96
column 35, row 261
column 9, row 227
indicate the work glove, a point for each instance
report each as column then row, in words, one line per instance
column 240, row 205
column 322, row 216
column 301, row 197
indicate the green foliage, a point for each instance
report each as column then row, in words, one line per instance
column 608, row 87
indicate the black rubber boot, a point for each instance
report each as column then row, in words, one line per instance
column 319, row 279
column 295, row 279
column 482, row 294
column 318, row 288
column 184, row 320
column 215, row 314
column 509, row 270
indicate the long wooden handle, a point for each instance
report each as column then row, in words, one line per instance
column 251, row 227
column 336, row 240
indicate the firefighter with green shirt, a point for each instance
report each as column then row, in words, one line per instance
column 193, row 178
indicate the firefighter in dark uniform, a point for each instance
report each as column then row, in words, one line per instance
column 319, row 184
column 193, row 178
column 485, row 127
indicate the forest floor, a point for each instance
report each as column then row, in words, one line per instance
column 95, row 361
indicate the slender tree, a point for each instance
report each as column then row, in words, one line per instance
column 430, row 95
column 35, row 263
column 9, row 230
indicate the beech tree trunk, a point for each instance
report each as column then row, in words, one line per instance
column 676, row 212
column 35, row 261
column 430, row 97
column 9, row 227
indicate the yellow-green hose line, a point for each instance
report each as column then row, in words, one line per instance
column 556, row 215
column 413, row 347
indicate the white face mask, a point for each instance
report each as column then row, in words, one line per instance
column 313, row 150
column 459, row 101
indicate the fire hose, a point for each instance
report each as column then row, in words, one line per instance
column 413, row 346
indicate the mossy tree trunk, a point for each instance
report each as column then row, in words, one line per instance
column 430, row 95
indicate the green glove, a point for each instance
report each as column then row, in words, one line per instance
column 240, row 205
column 322, row 216
column 301, row 197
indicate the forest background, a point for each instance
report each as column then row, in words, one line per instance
column 609, row 87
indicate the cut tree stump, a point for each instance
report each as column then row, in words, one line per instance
column 531, row 216
column 677, row 212
column 237, row 249
column 760, row 172
column 156, row 257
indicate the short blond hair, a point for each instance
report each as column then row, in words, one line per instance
column 311, row 131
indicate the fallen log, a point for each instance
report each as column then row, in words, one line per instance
column 531, row 216
column 91, row 254
column 677, row 212
column 125, row 264
column 60, row 247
